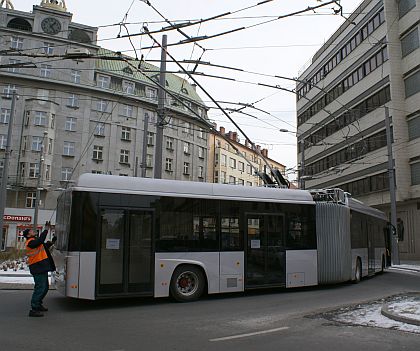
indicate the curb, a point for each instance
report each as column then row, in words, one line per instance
column 389, row 313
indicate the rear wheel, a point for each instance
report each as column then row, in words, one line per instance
column 358, row 271
column 187, row 283
column 383, row 264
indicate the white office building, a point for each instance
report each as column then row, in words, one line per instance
column 371, row 62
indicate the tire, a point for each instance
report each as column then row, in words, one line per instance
column 187, row 283
column 358, row 271
column 383, row 264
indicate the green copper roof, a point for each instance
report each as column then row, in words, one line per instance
column 175, row 84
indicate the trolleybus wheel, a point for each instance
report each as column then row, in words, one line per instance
column 358, row 271
column 187, row 283
column 383, row 264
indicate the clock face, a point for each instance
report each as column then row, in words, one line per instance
column 50, row 25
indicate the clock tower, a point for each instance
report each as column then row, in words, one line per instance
column 52, row 18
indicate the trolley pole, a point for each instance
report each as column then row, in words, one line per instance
column 5, row 176
column 391, row 175
column 161, row 111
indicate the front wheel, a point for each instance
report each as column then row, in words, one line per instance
column 187, row 283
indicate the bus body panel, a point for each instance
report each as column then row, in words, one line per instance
column 232, row 271
column 379, row 254
column 166, row 263
column 301, row 268
column 72, row 274
column 87, row 275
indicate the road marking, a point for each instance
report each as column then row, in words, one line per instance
column 249, row 334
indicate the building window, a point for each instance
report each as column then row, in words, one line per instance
column 415, row 173
column 223, row 160
column 128, row 87
column 241, row 182
column 97, row 153
column 201, row 152
column 151, row 93
column 404, row 6
column 36, row 143
column 232, row 180
column 201, row 133
column 101, row 105
column 412, row 84
column 48, row 48
column 149, row 161
column 99, row 129
column 186, row 168
column 48, row 172
column 9, row 90
column 16, row 43
column 187, row 128
column 68, row 148
column 30, row 199
column 3, row 141
column 169, row 143
column 14, row 66
column 186, row 148
column 241, row 166
column 124, row 156
column 410, row 42
column 103, row 81
column 70, row 124
column 50, row 146
column 40, row 118
column 127, row 110
column 414, row 127
column 5, row 116
column 222, row 177
column 125, row 133
column 46, row 71
column 150, row 139
column 75, row 76
column 200, row 172
column 232, row 163
column 66, row 173
column 96, row 172
column 22, row 169
column 168, row 164
column 73, row 101
column 248, row 183
column 33, row 170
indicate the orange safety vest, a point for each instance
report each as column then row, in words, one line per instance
column 35, row 255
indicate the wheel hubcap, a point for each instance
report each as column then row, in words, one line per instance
column 187, row 283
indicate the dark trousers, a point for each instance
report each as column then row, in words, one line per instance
column 40, row 289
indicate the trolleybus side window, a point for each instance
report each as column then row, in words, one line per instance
column 231, row 226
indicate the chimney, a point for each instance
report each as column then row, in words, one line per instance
column 222, row 130
column 235, row 136
column 258, row 147
column 230, row 135
column 264, row 152
column 194, row 86
column 246, row 143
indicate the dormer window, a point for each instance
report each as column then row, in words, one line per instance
column 184, row 90
column 127, row 70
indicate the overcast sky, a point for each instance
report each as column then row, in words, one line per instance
column 281, row 47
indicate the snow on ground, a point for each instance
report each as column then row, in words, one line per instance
column 370, row 314
column 409, row 308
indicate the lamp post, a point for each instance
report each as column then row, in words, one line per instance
column 38, row 183
column 3, row 189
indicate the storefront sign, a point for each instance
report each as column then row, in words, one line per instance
column 11, row 218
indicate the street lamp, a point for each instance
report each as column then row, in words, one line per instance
column 38, row 183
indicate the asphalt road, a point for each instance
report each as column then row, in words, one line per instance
column 263, row 320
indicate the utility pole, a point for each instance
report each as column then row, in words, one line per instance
column 5, row 177
column 302, row 164
column 144, row 153
column 38, row 183
column 161, row 111
column 391, row 176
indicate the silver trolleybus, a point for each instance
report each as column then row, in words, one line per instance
column 123, row 236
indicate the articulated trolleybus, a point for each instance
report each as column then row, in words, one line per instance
column 123, row 236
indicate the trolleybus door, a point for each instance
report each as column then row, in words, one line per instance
column 125, row 257
column 371, row 247
column 265, row 258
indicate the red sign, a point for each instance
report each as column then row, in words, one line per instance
column 11, row 218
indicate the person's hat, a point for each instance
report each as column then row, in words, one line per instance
column 26, row 232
